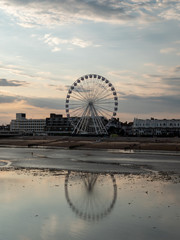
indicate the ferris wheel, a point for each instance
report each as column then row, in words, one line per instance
column 90, row 103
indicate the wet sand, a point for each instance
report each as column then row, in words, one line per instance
column 126, row 143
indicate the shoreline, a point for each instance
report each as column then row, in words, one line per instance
column 122, row 143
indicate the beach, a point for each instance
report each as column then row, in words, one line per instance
column 136, row 143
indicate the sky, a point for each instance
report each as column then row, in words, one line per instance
column 45, row 45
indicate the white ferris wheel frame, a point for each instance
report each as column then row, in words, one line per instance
column 90, row 100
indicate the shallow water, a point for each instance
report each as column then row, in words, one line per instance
column 90, row 160
column 57, row 205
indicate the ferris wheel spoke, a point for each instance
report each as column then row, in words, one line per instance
column 106, row 109
column 104, row 113
column 77, row 98
column 79, row 95
column 110, row 98
column 93, row 88
column 103, row 97
column 89, row 85
column 75, row 108
column 102, row 88
column 83, row 90
column 79, row 110
column 104, row 102
column 99, row 90
column 76, row 104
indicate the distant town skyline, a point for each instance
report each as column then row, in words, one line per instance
column 46, row 45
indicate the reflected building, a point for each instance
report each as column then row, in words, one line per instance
column 91, row 196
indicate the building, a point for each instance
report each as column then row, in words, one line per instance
column 27, row 126
column 56, row 124
column 156, row 127
column 126, row 129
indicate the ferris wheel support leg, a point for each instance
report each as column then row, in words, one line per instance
column 76, row 129
column 102, row 129
column 95, row 119
column 85, row 124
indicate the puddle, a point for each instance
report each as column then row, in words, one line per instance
column 5, row 163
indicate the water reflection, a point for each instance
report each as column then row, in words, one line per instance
column 91, row 196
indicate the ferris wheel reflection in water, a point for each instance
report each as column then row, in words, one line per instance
column 91, row 196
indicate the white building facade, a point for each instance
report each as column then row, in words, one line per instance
column 156, row 127
column 27, row 126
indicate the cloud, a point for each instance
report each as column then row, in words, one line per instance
column 49, row 103
column 7, row 99
column 167, row 50
column 50, row 13
column 177, row 69
column 149, row 104
column 172, row 13
column 157, row 81
column 56, row 49
column 15, row 70
column 173, row 82
column 11, row 83
column 30, row 73
column 55, row 42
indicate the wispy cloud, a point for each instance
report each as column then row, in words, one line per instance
column 31, row 73
column 150, row 104
column 167, row 50
column 11, row 83
column 17, row 70
column 172, row 13
column 156, row 82
column 56, row 43
column 49, row 103
column 57, row 12
column 177, row 69
column 7, row 99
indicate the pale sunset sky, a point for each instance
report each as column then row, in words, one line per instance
column 45, row 45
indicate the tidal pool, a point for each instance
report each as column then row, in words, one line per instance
column 68, row 205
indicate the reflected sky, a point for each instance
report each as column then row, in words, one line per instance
column 34, row 205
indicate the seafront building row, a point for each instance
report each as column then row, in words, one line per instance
column 156, row 127
column 53, row 125
column 56, row 124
